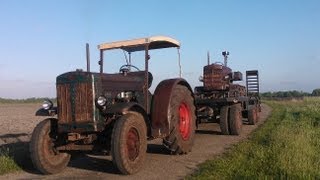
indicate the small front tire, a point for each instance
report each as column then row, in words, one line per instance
column 129, row 143
column 44, row 156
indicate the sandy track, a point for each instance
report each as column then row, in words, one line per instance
column 17, row 122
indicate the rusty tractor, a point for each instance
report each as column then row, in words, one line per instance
column 115, row 113
column 221, row 100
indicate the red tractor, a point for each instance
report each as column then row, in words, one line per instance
column 220, row 100
column 115, row 112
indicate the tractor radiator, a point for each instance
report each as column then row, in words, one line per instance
column 75, row 103
column 216, row 77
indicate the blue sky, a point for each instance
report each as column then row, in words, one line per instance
column 41, row 39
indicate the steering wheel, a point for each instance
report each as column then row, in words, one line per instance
column 126, row 68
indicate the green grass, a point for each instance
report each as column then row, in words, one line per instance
column 7, row 164
column 286, row 146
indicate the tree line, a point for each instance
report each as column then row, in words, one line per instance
column 27, row 100
column 294, row 93
column 280, row 94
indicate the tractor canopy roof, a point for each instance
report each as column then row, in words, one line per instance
column 154, row 42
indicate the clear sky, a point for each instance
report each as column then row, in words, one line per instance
column 42, row 39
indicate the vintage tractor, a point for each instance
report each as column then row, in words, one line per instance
column 115, row 113
column 220, row 100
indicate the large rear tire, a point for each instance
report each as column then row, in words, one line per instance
column 44, row 156
column 183, row 119
column 235, row 120
column 129, row 143
column 224, row 120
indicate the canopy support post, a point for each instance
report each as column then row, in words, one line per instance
column 179, row 61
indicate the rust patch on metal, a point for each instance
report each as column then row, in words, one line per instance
column 216, row 77
column 64, row 104
column 83, row 103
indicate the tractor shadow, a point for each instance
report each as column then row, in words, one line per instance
column 19, row 151
column 158, row 149
column 103, row 163
column 16, row 146
column 93, row 162
column 203, row 131
column 208, row 128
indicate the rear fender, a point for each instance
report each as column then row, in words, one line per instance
column 160, row 113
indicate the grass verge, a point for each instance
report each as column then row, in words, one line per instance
column 287, row 145
column 7, row 164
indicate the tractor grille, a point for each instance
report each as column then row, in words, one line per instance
column 75, row 103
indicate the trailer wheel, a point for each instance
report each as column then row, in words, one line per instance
column 129, row 143
column 235, row 120
column 44, row 156
column 258, row 110
column 252, row 116
column 224, row 120
column 182, row 112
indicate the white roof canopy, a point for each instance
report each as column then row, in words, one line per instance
column 155, row 42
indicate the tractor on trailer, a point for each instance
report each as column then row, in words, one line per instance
column 115, row 113
column 220, row 100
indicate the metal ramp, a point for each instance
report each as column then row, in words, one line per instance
column 252, row 81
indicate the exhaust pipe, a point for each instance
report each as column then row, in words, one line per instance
column 225, row 54
column 88, row 57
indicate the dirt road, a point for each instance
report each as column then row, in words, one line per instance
column 18, row 121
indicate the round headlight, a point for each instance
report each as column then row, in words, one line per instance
column 101, row 101
column 47, row 104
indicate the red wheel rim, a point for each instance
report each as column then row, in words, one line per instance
column 184, row 123
column 133, row 144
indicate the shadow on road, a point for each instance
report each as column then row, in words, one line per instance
column 201, row 131
column 17, row 145
column 157, row 149
column 93, row 163
column 5, row 137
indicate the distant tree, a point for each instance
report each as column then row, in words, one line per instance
column 281, row 94
column 316, row 92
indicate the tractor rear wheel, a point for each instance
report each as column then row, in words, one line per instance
column 43, row 154
column 224, row 120
column 129, row 143
column 235, row 120
column 182, row 113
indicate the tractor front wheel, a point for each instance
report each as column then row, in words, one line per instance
column 45, row 157
column 129, row 143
